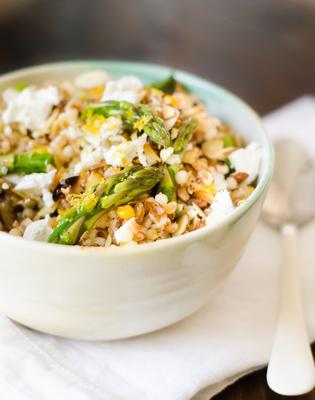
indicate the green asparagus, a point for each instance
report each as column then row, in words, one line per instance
column 113, row 108
column 21, row 86
column 228, row 140
column 139, row 182
column 115, row 191
column 185, row 132
column 133, row 117
column 167, row 85
column 154, row 128
column 167, row 184
column 26, row 163
column 63, row 233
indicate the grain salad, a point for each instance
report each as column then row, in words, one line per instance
column 103, row 161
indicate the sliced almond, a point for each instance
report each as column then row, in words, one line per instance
column 239, row 176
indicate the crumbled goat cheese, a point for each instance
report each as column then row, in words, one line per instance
column 112, row 127
column 123, row 154
column 247, row 160
column 127, row 88
column 35, row 185
column 219, row 181
column 72, row 131
column 30, row 107
column 88, row 157
column 91, row 79
column 221, row 206
column 125, row 233
column 38, row 230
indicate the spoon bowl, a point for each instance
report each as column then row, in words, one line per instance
column 291, row 195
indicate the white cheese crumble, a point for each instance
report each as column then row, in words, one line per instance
column 219, row 181
column 127, row 88
column 30, row 107
column 72, row 131
column 38, row 230
column 123, row 154
column 221, row 206
column 125, row 233
column 91, row 79
column 35, row 185
column 112, row 127
column 88, row 158
column 247, row 160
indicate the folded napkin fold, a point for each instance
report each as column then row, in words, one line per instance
column 193, row 359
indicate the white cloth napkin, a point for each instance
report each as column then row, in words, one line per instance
column 195, row 358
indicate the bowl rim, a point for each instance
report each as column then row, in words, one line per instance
column 195, row 81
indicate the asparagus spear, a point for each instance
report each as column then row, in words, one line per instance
column 113, row 108
column 167, row 185
column 139, row 182
column 26, row 163
column 87, row 204
column 228, row 140
column 185, row 132
column 21, row 86
column 155, row 128
column 133, row 117
column 112, row 181
column 117, row 190
column 167, row 85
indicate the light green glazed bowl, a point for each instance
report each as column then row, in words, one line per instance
column 97, row 293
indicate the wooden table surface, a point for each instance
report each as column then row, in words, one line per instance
column 263, row 50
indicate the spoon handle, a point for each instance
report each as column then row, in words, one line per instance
column 291, row 367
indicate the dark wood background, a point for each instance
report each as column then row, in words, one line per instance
column 263, row 50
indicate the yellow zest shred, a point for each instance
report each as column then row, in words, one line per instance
column 97, row 91
column 209, row 189
column 94, row 124
column 41, row 149
column 141, row 123
column 171, row 100
column 53, row 223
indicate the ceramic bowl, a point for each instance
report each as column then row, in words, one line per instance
column 97, row 293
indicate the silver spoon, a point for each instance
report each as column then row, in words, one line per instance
column 289, row 205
